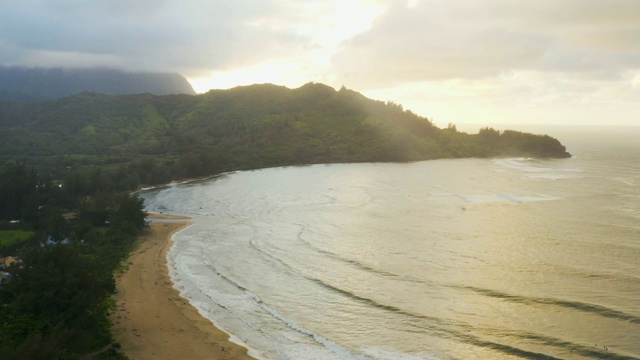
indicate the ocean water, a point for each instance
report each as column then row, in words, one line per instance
column 446, row 259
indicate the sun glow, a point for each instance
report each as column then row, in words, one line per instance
column 412, row 3
column 287, row 72
column 332, row 25
column 635, row 82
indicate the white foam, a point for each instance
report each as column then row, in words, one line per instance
column 243, row 313
column 554, row 176
column 335, row 351
column 631, row 181
column 513, row 198
column 538, row 169
column 384, row 354
column 502, row 198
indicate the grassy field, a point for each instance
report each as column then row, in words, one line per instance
column 12, row 237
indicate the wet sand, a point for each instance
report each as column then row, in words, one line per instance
column 151, row 320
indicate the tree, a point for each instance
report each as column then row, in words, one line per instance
column 53, row 303
column 128, row 209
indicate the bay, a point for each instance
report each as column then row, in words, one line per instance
column 444, row 259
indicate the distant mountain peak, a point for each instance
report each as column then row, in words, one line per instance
column 31, row 84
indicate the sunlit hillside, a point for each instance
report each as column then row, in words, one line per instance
column 241, row 128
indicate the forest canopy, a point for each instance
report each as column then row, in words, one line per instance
column 66, row 243
column 153, row 139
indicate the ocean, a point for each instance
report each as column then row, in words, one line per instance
column 445, row 259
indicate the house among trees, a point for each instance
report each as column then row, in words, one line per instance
column 5, row 263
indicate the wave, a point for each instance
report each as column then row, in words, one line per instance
column 462, row 332
column 340, row 351
column 574, row 305
column 211, row 267
column 361, row 266
column 271, row 258
column 583, row 351
column 502, row 198
column 352, row 262
column 440, row 323
column 535, row 169
column 587, row 351
column 283, row 348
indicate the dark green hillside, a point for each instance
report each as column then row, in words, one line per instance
column 241, row 128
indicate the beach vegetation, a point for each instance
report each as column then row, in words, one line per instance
column 57, row 301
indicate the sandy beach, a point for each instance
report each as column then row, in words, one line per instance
column 151, row 320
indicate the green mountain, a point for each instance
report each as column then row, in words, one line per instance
column 34, row 84
column 241, row 128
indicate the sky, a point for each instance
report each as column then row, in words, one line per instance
column 453, row 61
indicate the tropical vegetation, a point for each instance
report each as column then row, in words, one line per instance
column 68, row 243
column 68, row 166
column 153, row 139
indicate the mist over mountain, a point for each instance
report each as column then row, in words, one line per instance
column 33, row 84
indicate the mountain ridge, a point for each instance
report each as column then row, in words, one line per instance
column 241, row 128
column 37, row 84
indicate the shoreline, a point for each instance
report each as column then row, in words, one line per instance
column 180, row 182
column 151, row 320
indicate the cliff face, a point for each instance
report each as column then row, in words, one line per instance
column 32, row 84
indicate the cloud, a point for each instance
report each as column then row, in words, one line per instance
column 319, row 25
column 435, row 40
column 187, row 36
column 459, row 60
